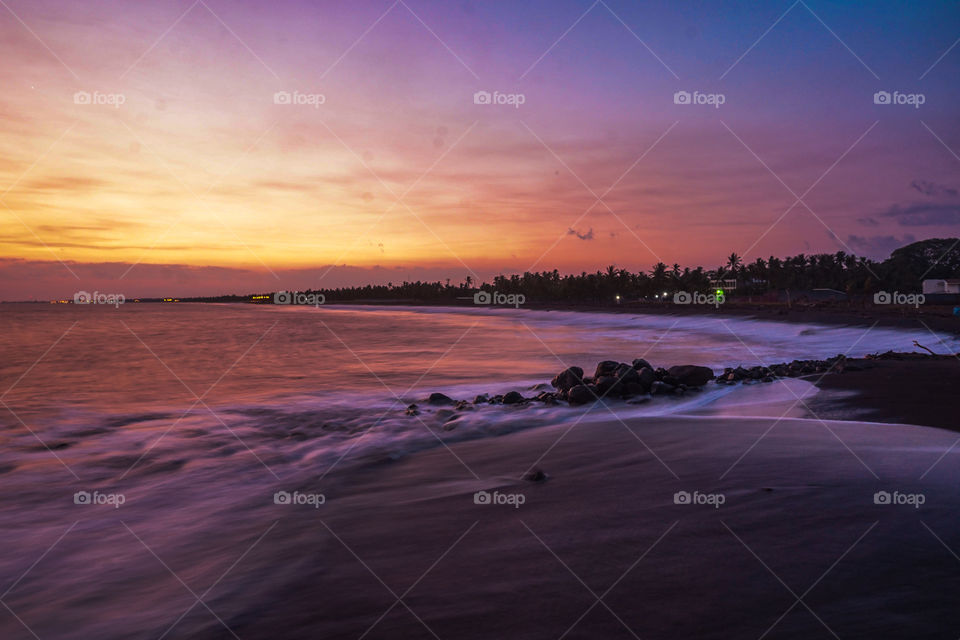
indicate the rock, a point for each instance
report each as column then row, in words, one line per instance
column 607, row 384
column 606, row 368
column 568, row 378
column 463, row 405
column 481, row 399
column 640, row 399
column 582, row 394
column 766, row 379
column 413, row 410
column 627, row 374
column 513, row 397
column 640, row 363
column 547, row 398
column 540, row 386
column 692, row 375
column 536, row 475
column 661, row 388
column 633, row 389
column 439, row 398
column 646, row 378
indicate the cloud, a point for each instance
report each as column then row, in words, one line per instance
column 928, row 188
column 583, row 236
column 922, row 215
column 878, row 246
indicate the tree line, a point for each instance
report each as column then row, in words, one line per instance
column 843, row 272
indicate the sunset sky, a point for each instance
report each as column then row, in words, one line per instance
column 187, row 173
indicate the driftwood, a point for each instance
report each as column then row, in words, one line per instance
column 917, row 344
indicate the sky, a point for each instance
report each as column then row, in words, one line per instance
column 188, row 147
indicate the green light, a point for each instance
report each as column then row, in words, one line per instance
column 719, row 292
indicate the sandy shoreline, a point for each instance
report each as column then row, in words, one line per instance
column 606, row 523
column 918, row 391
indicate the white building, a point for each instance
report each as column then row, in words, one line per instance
column 941, row 286
column 729, row 284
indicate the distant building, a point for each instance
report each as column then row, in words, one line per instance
column 728, row 284
column 941, row 286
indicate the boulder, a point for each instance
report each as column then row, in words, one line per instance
column 481, row 399
column 568, row 378
column 692, row 375
column 582, row 394
column 439, row 398
column 627, row 374
column 607, row 385
column 662, row 388
column 606, row 368
column 633, row 389
column 640, row 363
column 513, row 397
column 646, row 378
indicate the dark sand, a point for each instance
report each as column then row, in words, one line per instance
column 923, row 391
column 799, row 519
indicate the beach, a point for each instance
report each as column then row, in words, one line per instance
column 308, row 502
column 798, row 519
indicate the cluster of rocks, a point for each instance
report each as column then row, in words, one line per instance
column 622, row 380
column 638, row 382
column 792, row 369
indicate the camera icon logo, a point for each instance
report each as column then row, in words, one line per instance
column 282, row 297
column 482, row 297
column 882, row 297
column 681, row 497
column 81, row 497
column 82, row 97
column 482, row 97
column 82, row 297
column 881, row 97
column 881, row 497
column 281, row 497
column 682, row 297
column 282, row 97
column 681, row 97
column 482, row 497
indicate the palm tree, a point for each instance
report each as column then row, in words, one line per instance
column 734, row 262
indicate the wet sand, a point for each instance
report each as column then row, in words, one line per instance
column 798, row 519
column 911, row 391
